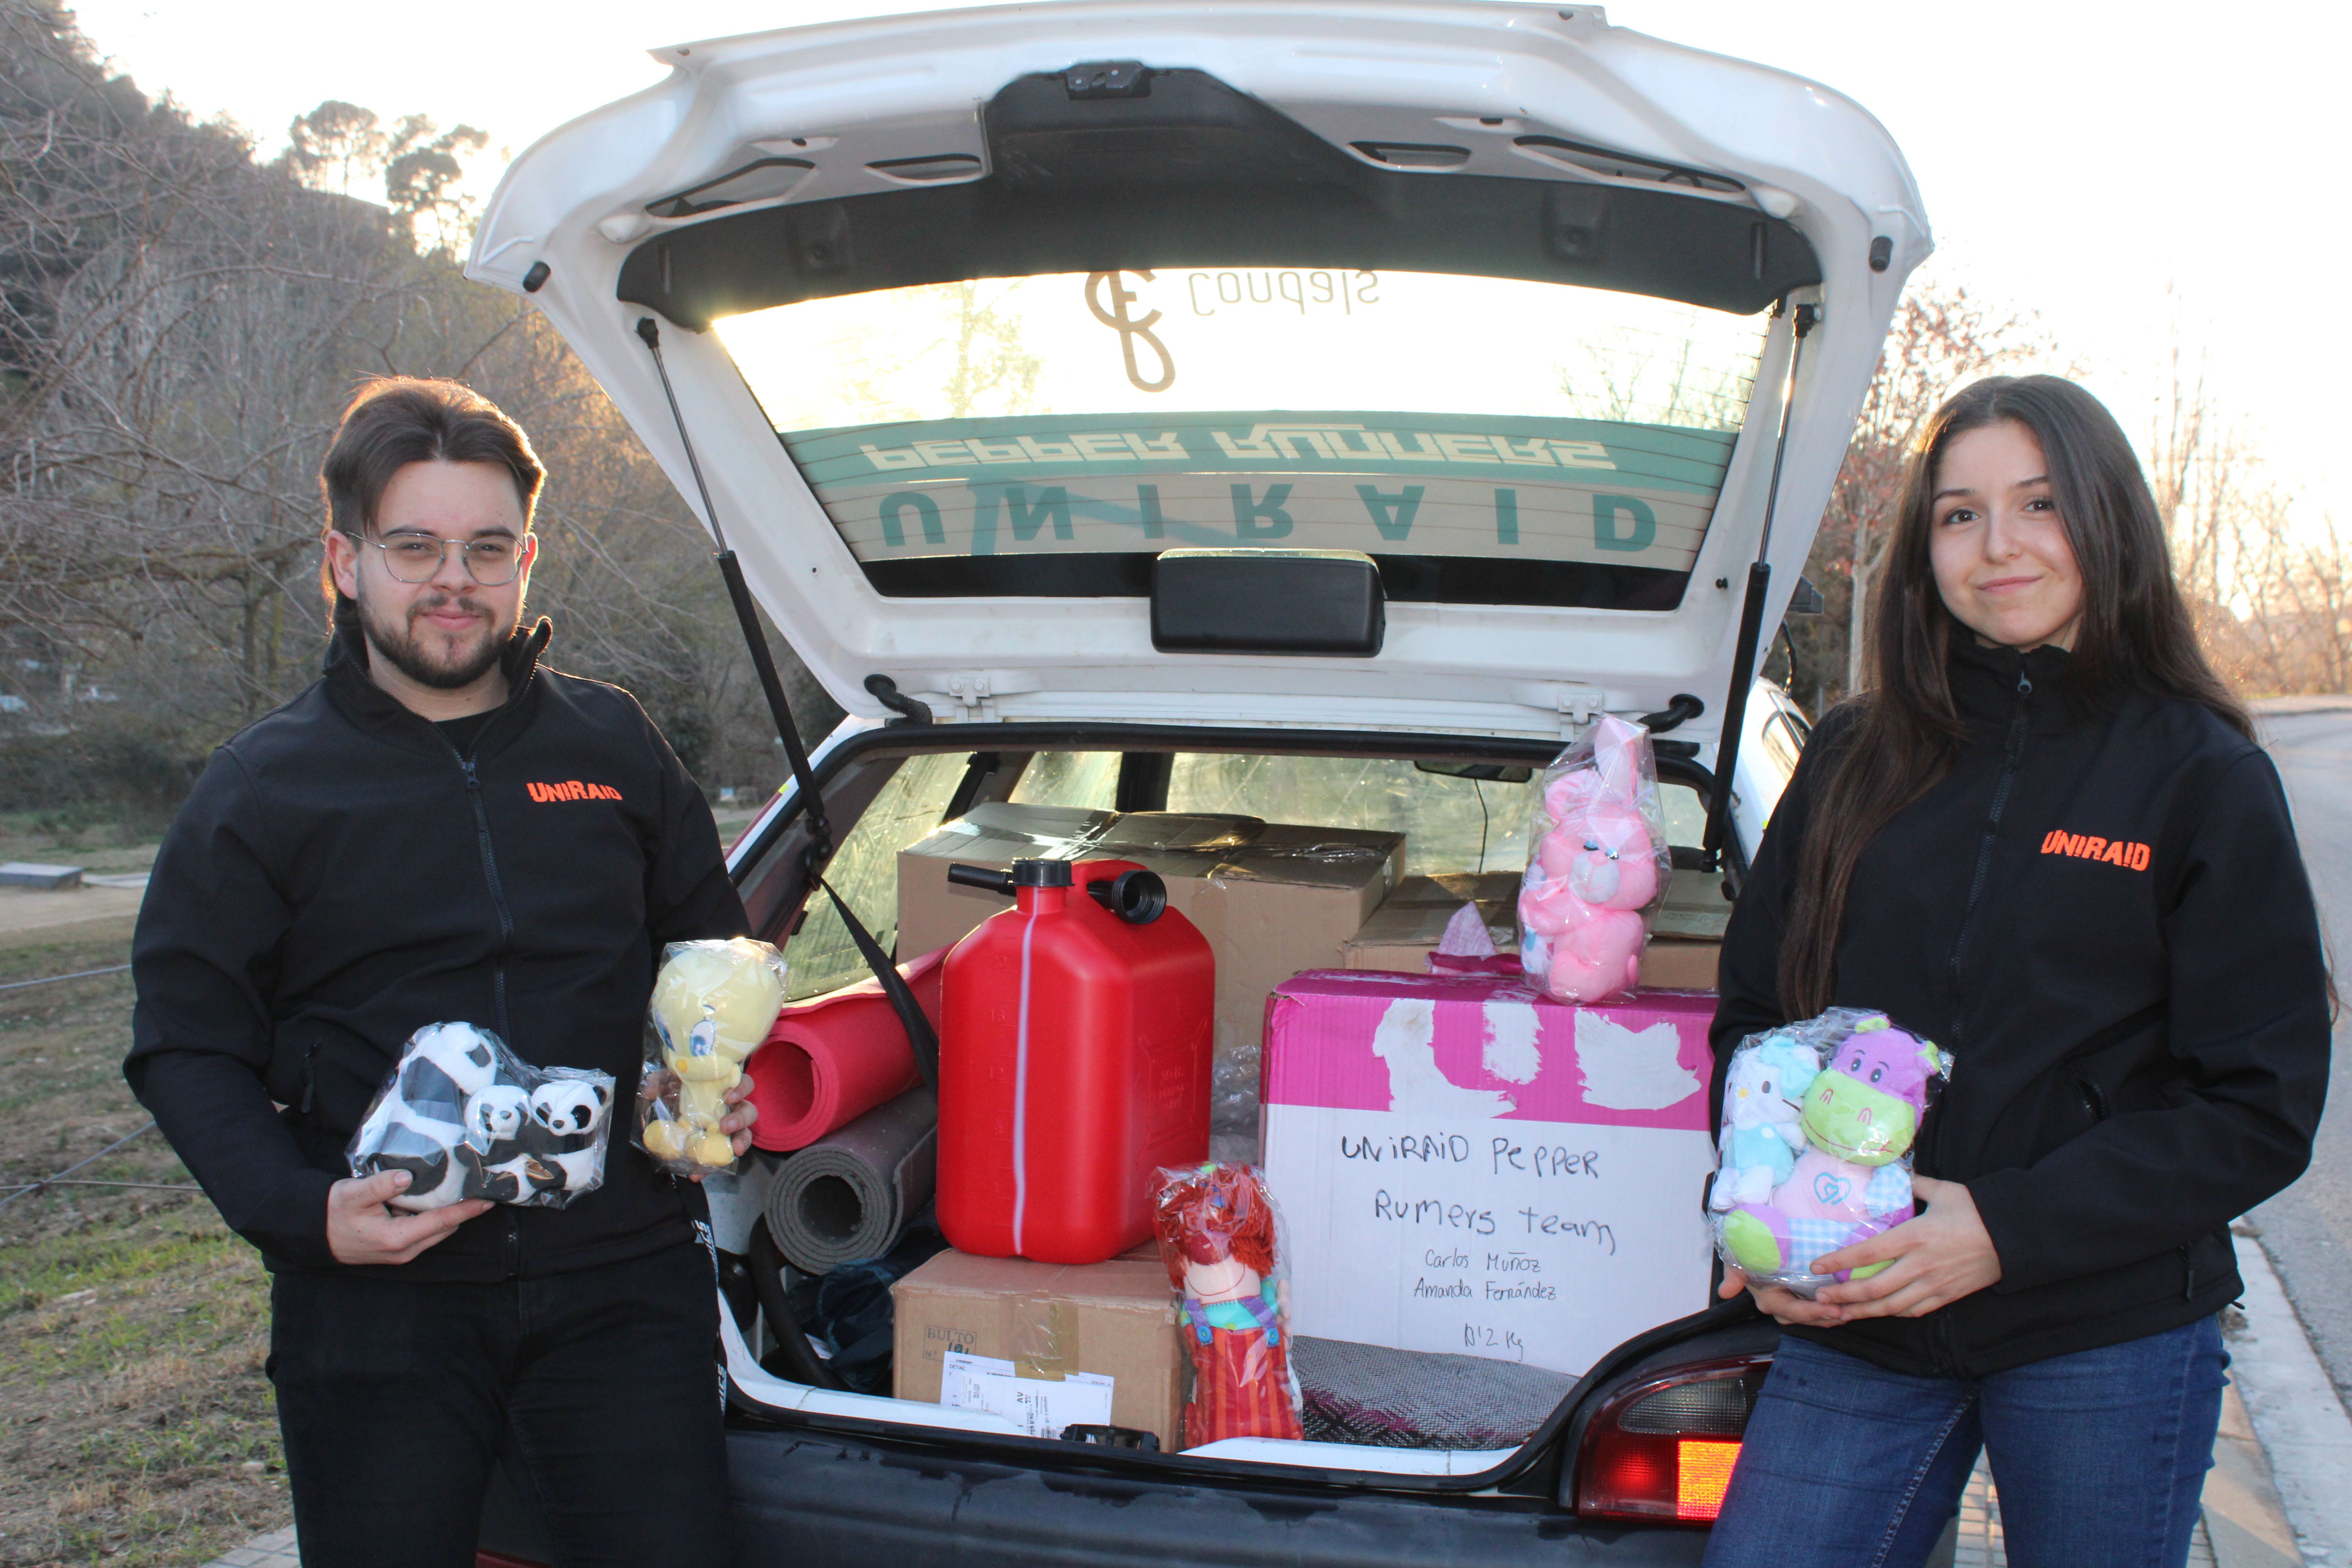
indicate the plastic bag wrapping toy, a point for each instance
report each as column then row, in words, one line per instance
column 1599, row 866
column 1817, row 1122
column 1220, row 1239
column 714, row 1003
column 466, row 1117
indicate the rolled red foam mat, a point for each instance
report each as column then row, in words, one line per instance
column 834, row 1058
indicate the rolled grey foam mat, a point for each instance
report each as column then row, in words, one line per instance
column 848, row 1196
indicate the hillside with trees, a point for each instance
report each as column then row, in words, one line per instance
column 181, row 322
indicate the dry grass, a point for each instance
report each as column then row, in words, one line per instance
column 88, row 837
column 136, row 1427
column 135, row 1423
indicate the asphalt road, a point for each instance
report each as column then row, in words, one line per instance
column 2307, row 1229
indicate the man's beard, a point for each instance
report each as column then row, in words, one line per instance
column 406, row 649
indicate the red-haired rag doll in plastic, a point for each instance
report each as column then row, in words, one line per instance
column 1216, row 1229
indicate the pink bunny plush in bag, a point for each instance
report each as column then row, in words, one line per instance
column 1600, row 864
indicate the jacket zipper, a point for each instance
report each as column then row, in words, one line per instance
column 311, row 1077
column 497, row 895
column 2013, row 754
column 513, row 1248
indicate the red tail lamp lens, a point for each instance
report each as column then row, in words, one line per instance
column 1664, row 1449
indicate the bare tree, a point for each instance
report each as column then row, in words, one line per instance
column 1942, row 339
column 2271, row 594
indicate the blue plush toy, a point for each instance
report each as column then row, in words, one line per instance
column 1763, row 1095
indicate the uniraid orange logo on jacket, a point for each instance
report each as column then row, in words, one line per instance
column 572, row 790
column 2084, row 846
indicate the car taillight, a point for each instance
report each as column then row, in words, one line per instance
column 1664, row 1448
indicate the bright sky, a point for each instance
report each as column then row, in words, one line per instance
column 2079, row 158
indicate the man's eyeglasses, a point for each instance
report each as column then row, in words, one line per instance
column 417, row 557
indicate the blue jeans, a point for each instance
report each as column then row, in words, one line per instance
column 2099, row 1456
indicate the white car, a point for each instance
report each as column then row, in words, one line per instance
column 1311, row 410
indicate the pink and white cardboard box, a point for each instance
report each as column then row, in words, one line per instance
column 1465, row 1165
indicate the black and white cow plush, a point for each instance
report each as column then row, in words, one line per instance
column 420, row 1122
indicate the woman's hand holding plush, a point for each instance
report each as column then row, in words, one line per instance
column 1927, row 1262
column 1932, row 1261
column 1781, row 1304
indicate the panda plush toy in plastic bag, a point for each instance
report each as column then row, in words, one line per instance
column 466, row 1117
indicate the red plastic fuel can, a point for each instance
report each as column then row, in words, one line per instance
column 1073, row 1061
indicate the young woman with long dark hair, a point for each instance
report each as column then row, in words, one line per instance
column 2046, row 839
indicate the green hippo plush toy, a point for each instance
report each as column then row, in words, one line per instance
column 1852, row 1179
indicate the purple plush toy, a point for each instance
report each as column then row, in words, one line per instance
column 1854, row 1178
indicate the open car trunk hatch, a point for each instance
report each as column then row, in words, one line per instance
column 972, row 317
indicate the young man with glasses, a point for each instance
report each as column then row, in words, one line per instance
column 383, row 853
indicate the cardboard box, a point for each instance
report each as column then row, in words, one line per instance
column 1116, row 1318
column 1694, row 909
column 1272, row 897
column 1671, row 965
column 1685, row 935
column 934, row 911
column 1465, row 1165
column 1403, row 932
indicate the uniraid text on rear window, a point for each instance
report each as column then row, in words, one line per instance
column 1485, row 439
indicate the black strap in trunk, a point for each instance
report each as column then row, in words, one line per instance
column 921, row 1037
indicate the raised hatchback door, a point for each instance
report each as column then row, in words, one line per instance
column 972, row 317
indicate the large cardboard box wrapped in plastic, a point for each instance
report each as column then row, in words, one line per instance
column 1272, row 897
column 1403, row 932
column 1686, row 933
column 1114, row 1320
column 1465, row 1165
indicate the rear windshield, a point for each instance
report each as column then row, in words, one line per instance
column 1485, row 439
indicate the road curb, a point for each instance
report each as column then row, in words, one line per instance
column 2244, row 1519
column 2297, row 1424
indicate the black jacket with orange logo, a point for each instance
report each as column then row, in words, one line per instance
column 2103, row 914
column 342, row 875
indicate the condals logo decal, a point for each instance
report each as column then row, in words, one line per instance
column 572, row 790
column 1130, row 328
column 2115, row 852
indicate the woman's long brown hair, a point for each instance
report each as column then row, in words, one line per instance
column 1906, row 734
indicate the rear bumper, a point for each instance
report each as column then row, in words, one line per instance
column 829, row 1501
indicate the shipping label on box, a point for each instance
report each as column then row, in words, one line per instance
column 1465, row 1165
column 1040, row 1407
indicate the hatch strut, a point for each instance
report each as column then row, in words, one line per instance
column 1751, row 625
column 920, row 1037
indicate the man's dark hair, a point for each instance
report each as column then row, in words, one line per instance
column 401, row 420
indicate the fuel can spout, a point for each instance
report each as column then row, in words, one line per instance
column 1135, row 895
